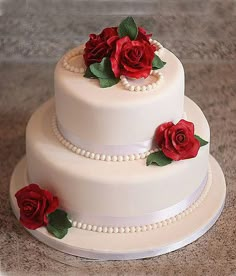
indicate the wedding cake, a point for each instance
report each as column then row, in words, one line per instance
column 119, row 150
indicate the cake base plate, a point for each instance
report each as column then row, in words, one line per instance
column 128, row 246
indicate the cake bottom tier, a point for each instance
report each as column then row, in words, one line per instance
column 115, row 196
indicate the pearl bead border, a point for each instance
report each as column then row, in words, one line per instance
column 93, row 155
column 153, row 226
column 158, row 45
column 68, row 56
column 142, row 88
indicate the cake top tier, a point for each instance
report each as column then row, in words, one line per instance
column 114, row 92
column 90, row 116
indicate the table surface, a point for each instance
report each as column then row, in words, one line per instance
column 34, row 34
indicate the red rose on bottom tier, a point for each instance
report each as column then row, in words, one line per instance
column 177, row 141
column 132, row 58
column 35, row 204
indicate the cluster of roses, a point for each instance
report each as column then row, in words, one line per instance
column 123, row 50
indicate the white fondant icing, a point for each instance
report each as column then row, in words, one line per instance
column 113, row 116
column 132, row 229
column 103, row 157
column 89, row 188
column 122, row 247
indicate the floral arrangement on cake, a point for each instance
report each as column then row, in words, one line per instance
column 176, row 142
column 125, row 50
column 39, row 208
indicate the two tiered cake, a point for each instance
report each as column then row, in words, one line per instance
column 119, row 152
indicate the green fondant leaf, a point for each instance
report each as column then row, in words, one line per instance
column 157, row 63
column 202, row 141
column 58, row 223
column 59, row 220
column 158, row 158
column 108, row 82
column 103, row 69
column 128, row 28
column 89, row 74
column 58, row 233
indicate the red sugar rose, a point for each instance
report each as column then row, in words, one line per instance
column 35, row 204
column 103, row 44
column 132, row 58
column 100, row 46
column 177, row 141
column 142, row 34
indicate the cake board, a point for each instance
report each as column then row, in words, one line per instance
column 127, row 246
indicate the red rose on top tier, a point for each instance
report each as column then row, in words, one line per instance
column 100, row 46
column 132, row 58
column 35, row 204
column 177, row 141
column 142, row 34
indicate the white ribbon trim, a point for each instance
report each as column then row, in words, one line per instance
column 146, row 219
column 112, row 150
column 136, row 148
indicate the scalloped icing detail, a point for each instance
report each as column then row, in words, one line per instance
column 94, row 155
column 148, row 227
